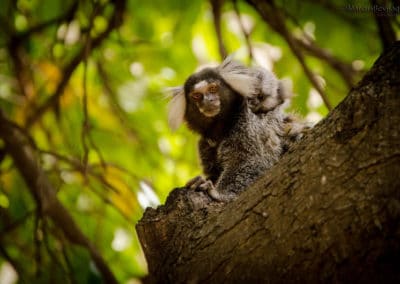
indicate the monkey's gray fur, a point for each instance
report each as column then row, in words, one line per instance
column 273, row 93
column 237, row 145
column 269, row 93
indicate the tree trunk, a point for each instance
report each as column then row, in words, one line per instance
column 329, row 211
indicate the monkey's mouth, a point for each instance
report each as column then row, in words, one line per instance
column 210, row 111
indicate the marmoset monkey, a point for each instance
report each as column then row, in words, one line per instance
column 236, row 144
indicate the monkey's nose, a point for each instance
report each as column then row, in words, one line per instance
column 210, row 97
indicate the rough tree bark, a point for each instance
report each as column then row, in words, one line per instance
column 329, row 211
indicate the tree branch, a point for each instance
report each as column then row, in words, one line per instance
column 216, row 6
column 114, row 22
column 25, row 158
column 271, row 15
column 345, row 70
column 328, row 211
column 114, row 104
column 245, row 33
column 67, row 16
column 382, row 19
column 21, row 64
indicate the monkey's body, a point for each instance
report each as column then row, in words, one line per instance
column 237, row 157
column 243, row 153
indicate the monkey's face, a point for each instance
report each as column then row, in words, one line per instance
column 264, row 102
column 212, row 95
column 206, row 96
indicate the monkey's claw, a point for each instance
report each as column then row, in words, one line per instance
column 212, row 192
column 195, row 182
column 200, row 183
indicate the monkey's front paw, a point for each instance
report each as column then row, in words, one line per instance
column 212, row 192
column 195, row 182
column 206, row 185
column 200, row 183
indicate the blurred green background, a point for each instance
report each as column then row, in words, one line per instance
column 86, row 80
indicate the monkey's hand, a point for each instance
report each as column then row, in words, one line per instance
column 200, row 183
column 195, row 182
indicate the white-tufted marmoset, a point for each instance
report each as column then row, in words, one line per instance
column 237, row 111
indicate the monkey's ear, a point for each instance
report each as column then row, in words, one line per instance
column 238, row 77
column 176, row 107
column 285, row 89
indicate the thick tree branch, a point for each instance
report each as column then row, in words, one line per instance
column 382, row 19
column 328, row 212
column 216, row 6
column 24, row 155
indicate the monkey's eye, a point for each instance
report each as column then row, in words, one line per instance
column 213, row 89
column 197, row 96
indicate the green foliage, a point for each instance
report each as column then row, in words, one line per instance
column 103, row 174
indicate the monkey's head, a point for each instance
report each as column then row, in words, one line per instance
column 270, row 92
column 204, row 92
column 210, row 95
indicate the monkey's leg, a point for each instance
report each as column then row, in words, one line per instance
column 238, row 177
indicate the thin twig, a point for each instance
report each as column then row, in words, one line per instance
column 69, row 270
column 244, row 31
column 344, row 69
column 10, row 227
column 114, row 22
column 79, row 167
column 37, row 240
column 271, row 15
column 86, row 127
column 85, row 124
column 115, row 106
column 21, row 63
column 103, row 163
column 53, row 256
column 65, row 17
column 44, row 193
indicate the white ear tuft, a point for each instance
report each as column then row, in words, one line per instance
column 176, row 108
column 171, row 92
column 285, row 88
column 238, row 77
